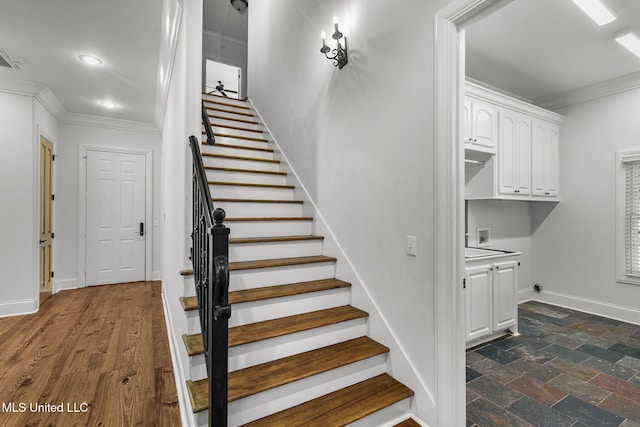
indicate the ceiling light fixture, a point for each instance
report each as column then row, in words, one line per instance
column 90, row 59
column 597, row 10
column 240, row 5
column 630, row 40
column 109, row 104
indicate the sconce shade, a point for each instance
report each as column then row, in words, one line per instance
column 240, row 5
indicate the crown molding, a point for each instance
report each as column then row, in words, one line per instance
column 589, row 93
column 224, row 37
column 49, row 101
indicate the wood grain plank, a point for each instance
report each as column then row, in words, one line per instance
column 241, row 170
column 251, row 184
column 279, row 262
column 250, row 159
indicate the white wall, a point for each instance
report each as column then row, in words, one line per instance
column 72, row 136
column 574, row 243
column 18, row 182
column 227, row 51
column 513, row 230
column 361, row 140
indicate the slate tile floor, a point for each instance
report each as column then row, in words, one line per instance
column 567, row 368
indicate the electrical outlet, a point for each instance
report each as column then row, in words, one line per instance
column 411, row 245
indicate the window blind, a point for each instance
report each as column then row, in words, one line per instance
column 632, row 218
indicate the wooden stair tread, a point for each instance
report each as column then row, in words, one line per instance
column 222, row 110
column 271, row 239
column 265, row 376
column 240, row 170
column 189, row 303
column 248, row 138
column 218, row 125
column 341, row 407
column 227, row 156
column 279, row 262
column 232, row 200
column 193, row 343
column 226, row 104
column 277, row 291
column 239, row 147
column 251, row 122
column 250, row 184
column 259, row 331
column 409, row 422
column 272, row 218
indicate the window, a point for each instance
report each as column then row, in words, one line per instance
column 628, row 216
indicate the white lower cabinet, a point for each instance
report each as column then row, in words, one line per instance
column 490, row 295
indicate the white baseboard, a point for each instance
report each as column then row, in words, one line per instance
column 187, row 420
column 20, row 307
column 525, row 295
column 156, row 275
column 599, row 308
column 64, row 285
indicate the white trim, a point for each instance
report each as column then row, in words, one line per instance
column 172, row 18
column 449, row 213
column 64, row 285
column 178, row 373
column 224, row 37
column 622, row 157
column 525, row 295
column 109, row 123
column 396, row 345
column 82, row 206
column 588, row 93
column 156, row 275
column 599, row 308
column 19, row 307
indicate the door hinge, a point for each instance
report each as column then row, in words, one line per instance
column 52, row 274
column 53, row 235
column 53, row 197
column 464, row 283
column 53, row 157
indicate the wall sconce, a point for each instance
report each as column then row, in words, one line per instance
column 340, row 57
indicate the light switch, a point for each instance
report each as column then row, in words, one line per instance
column 411, row 245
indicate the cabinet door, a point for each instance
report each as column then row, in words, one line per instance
column 478, row 302
column 507, row 164
column 484, row 124
column 545, row 156
column 505, row 304
column 523, row 155
column 467, row 120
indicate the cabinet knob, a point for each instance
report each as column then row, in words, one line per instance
column 475, row 140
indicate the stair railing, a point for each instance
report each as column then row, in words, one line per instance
column 211, row 139
column 210, row 254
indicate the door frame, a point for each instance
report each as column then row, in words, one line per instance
column 82, row 207
column 39, row 133
column 449, row 202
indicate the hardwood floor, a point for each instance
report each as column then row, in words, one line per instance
column 90, row 357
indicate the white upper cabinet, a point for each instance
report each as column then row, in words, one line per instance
column 525, row 140
column 545, row 158
column 481, row 125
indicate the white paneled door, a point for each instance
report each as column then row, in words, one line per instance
column 115, row 232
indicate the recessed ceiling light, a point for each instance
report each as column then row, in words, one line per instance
column 90, row 59
column 630, row 40
column 596, row 10
column 109, row 104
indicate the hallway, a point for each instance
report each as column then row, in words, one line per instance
column 92, row 356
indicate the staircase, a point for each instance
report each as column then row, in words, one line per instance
column 299, row 354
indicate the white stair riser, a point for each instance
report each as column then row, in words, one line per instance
column 236, row 132
column 217, row 110
column 258, row 311
column 243, row 192
column 237, row 123
column 261, row 277
column 226, row 106
column 229, row 100
column 255, row 251
column 230, row 151
column 241, row 164
column 257, row 406
column 257, row 178
column 236, row 141
column 246, row 355
column 275, row 228
column 386, row 417
column 193, row 322
column 197, row 368
column 262, row 210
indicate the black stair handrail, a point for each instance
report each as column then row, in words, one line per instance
column 210, row 258
column 211, row 139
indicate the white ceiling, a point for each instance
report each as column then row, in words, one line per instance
column 219, row 17
column 540, row 48
column 49, row 35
